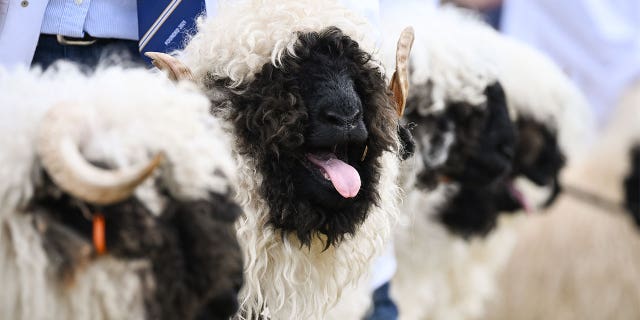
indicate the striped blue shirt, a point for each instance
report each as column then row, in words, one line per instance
column 100, row 18
column 118, row 18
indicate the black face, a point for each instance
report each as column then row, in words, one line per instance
column 335, row 136
column 476, row 147
column 538, row 158
column 468, row 144
column 308, row 123
column 632, row 185
column 195, row 257
column 538, row 155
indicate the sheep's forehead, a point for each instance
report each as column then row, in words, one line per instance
column 243, row 37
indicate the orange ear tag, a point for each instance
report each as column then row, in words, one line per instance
column 99, row 241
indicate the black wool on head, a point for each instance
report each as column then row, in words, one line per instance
column 538, row 155
column 328, row 101
column 538, row 158
column 407, row 143
column 472, row 146
column 195, row 258
column 480, row 162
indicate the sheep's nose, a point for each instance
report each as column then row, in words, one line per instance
column 341, row 119
column 349, row 125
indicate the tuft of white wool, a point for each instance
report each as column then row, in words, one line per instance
column 458, row 55
column 295, row 282
column 131, row 115
column 441, row 275
column 245, row 35
column 128, row 116
column 282, row 278
column 580, row 261
column 441, row 57
column 536, row 87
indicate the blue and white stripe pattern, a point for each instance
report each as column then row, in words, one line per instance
column 100, row 18
column 151, row 32
column 164, row 25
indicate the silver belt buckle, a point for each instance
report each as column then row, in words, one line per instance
column 67, row 42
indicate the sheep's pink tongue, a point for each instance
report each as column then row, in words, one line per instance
column 520, row 197
column 344, row 177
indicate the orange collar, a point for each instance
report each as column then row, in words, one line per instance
column 99, row 241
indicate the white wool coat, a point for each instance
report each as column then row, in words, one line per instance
column 283, row 279
column 441, row 276
column 131, row 115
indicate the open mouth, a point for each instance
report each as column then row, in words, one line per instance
column 332, row 167
column 519, row 196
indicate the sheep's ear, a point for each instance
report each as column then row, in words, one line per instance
column 176, row 70
column 400, row 81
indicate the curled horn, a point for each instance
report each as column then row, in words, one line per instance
column 57, row 147
column 175, row 69
column 400, row 81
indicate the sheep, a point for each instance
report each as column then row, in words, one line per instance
column 448, row 247
column 460, row 210
column 580, row 259
column 92, row 226
column 470, row 142
column 317, row 145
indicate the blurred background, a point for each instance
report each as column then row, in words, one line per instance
column 596, row 42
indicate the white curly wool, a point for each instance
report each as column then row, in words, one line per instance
column 441, row 63
column 441, row 58
column 245, row 35
column 455, row 56
column 441, row 275
column 283, row 279
column 537, row 88
column 295, row 282
column 130, row 116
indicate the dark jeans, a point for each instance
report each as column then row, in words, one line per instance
column 383, row 307
column 103, row 51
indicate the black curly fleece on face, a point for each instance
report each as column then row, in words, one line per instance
column 478, row 160
column 277, row 118
column 196, row 262
column 538, row 159
column 483, row 140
